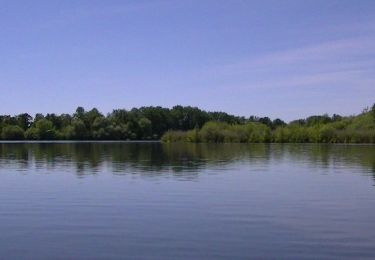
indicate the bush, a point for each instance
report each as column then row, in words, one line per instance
column 212, row 132
column 174, row 136
column 258, row 133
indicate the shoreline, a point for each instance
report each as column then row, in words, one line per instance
column 168, row 143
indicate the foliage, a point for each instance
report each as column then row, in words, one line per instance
column 187, row 124
column 314, row 129
column 12, row 132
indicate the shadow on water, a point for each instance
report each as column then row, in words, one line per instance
column 177, row 159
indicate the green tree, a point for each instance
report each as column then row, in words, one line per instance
column 32, row 134
column 145, row 126
column 45, row 130
column 12, row 132
column 277, row 123
column 78, row 130
column 24, row 120
column 91, row 116
column 38, row 117
column 80, row 112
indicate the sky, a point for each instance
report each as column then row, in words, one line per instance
column 286, row 59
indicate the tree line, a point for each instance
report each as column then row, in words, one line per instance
column 314, row 129
column 185, row 123
column 145, row 123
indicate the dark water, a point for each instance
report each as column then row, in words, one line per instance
column 186, row 201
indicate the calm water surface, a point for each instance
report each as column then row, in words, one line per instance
column 186, row 201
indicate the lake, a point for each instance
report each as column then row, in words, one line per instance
column 116, row 200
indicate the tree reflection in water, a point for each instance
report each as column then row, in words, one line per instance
column 178, row 159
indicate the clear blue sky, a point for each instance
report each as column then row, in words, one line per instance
column 286, row 59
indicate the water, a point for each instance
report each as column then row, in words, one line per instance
column 186, row 201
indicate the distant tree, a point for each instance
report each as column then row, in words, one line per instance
column 38, row 117
column 56, row 120
column 266, row 121
column 80, row 111
column 277, row 123
column 336, row 117
column 24, row 120
column 298, row 122
column 160, row 119
column 224, row 117
column 12, row 132
column 145, row 126
column 318, row 120
column 100, row 129
column 45, row 129
column 90, row 116
column 78, row 130
column 8, row 120
column 32, row 134
column 373, row 111
column 65, row 120
column 119, row 116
